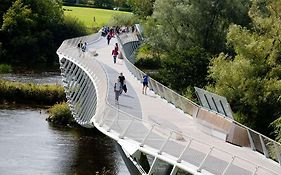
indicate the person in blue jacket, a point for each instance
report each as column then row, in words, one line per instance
column 144, row 83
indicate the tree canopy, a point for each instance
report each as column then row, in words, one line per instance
column 251, row 80
column 32, row 30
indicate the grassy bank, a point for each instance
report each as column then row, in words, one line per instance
column 87, row 15
column 29, row 93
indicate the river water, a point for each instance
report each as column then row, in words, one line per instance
column 30, row 145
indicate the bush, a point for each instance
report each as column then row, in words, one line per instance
column 5, row 68
column 60, row 114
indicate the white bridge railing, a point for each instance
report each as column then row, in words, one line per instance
column 90, row 106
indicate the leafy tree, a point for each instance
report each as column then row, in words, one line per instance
column 142, row 8
column 180, row 24
column 185, row 70
column 32, row 30
column 5, row 5
column 251, row 80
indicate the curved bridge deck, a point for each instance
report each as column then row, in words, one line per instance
column 155, row 127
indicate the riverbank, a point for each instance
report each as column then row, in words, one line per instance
column 50, row 97
column 30, row 93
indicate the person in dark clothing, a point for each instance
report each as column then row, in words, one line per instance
column 108, row 38
column 80, row 44
column 122, row 81
column 144, row 83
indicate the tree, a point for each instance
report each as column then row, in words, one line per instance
column 183, row 71
column 32, row 30
column 181, row 24
column 251, row 80
column 142, row 8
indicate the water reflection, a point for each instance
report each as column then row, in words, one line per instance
column 29, row 145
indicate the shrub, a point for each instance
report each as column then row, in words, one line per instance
column 60, row 114
column 5, row 68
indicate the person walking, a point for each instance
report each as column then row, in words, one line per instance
column 108, row 38
column 122, row 81
column 84, row 47
column 144, row 84
column 117, row 89
column 116, row 47
column 114, row 54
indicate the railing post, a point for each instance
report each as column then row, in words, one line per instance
column 182, row 153
column 164, row 144
column 277, row 153
column 229, row 164
column 205, row 158
column 251, row 141
column 195, row 113
column 265, row 152
column 147, row 135
column 121, row 136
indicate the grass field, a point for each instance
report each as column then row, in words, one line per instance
column 87, row 15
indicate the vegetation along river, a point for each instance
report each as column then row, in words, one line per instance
column 30, row 145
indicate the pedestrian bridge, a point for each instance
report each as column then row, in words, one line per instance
column 161, row 133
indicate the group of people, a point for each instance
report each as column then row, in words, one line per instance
column 117, row 30
column 82, row 46
column 120, row 86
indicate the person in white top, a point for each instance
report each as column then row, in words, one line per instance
column 117, row 89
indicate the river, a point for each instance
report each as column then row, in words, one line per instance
column 30, row 145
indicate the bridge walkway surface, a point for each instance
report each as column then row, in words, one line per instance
column 155, row 109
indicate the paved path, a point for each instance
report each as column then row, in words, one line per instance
column 153, row 108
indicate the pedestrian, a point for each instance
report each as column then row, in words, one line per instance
column 84, row 47
column 122, row 81
column 144, row 83
column 114, row 54
column 108, row 38
column 116, row 47
column 80, row 44
column 117, row 89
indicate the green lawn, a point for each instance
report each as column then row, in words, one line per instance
column 87, row 15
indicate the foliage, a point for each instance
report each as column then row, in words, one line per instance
column 179, row 25
column 183, row 70
column 142, row 8
column 122, row 20
column 60, row 114
column 277, row 129
column 31, row 32
column 28, row 93
column 251, row 80
column 5, row 68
